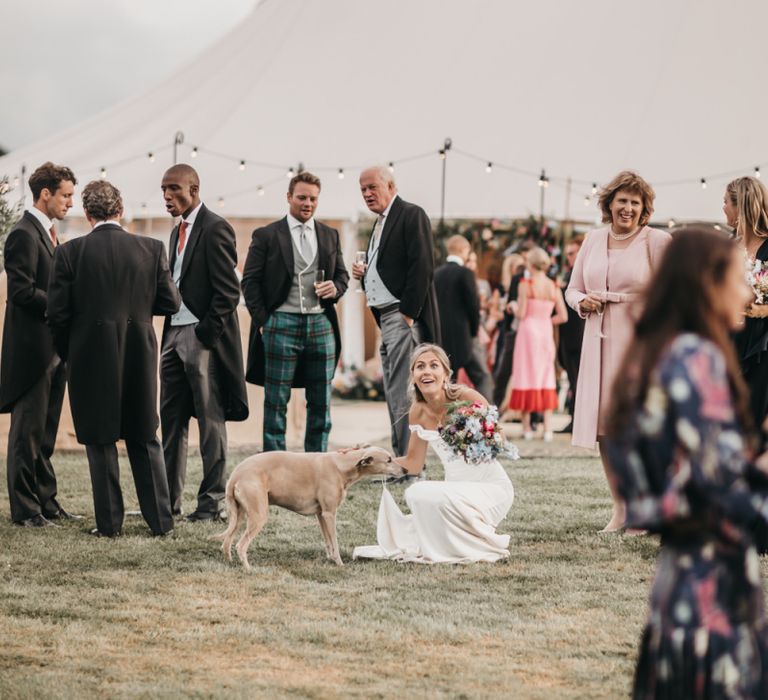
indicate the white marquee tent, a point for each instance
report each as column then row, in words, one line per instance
column 581, row 88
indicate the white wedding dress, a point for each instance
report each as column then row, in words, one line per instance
column 451, row 521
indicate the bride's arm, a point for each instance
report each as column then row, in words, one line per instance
column 417, row 448
column 468, row 394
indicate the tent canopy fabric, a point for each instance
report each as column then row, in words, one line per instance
column 582, row 89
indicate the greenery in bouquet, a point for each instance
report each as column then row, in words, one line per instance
column 757, row 277
column 473, row 432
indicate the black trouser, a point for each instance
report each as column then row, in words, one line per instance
column 503, row 370
column 31, row 440
column 149, row 476
column 190, row 385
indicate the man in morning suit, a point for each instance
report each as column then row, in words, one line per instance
column 201, row 364
column 295, row 338
column 105, row 288
column 32, row 375
column 459, row 305
column 397, row 278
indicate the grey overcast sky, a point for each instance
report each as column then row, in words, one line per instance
column 64, row 61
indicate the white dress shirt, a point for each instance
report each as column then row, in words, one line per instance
column 45, row 222
column 376, row 292
column 294, row 225
column 183, row 317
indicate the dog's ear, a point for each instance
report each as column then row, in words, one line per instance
column 365, row 461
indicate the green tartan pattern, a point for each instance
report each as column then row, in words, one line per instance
column 290, row 339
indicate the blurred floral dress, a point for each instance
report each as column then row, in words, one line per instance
column 680, row 465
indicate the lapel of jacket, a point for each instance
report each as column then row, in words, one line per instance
column 44, row 235
column 389, row 223
column 286, row 245
column 173, row 247
column 323, row 246
column 197, row 233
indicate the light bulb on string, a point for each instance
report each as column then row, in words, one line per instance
column 671, row 223
column 103, row 173
column 242, row 165
column 221, row 201
column 341, row 173
column 587, row 200
column 391, row 167
column 151, row 157
column 441, row 153
column 194, row 152
column 290, row 172
column 260, row 191
column 543, row 179
column 594, row 188
column 489, row 167
column 703, row 183
column 143, row 207
column 757, row 171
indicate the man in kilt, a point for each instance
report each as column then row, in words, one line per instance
column 293, row 276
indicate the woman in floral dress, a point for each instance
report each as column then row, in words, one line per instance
column 679, row 450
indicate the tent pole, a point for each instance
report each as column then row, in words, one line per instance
column 178, row 139
column 444, row 156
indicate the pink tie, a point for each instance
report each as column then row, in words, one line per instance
column 182, row 235
column 53, row 235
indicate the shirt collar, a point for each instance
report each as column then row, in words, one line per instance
column 455, row 259
column 190, row 220
column 293, row 222
column 385, row 213
column 114, row 222
column 45, row 222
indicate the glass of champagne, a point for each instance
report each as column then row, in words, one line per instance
column 319, row 279
column 360, row 257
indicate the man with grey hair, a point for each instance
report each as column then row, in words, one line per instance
column 398, row 281
column 105, row 287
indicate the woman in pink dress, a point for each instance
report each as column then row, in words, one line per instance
column 611, row 269
column 533, row 364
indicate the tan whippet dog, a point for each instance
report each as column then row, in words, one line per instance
column 310, row 483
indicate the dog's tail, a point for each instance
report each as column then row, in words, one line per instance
column 236, row 516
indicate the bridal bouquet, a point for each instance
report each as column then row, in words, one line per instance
column 757, row 278
column 472, row 431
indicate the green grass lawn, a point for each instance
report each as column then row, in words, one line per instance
column 142, row 617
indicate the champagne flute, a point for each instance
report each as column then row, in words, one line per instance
column 319, row 279
column 600, row 313
column 360, row 257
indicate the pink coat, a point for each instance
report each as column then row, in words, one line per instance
column 619, row 276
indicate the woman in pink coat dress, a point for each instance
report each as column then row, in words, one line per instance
column 611, row 269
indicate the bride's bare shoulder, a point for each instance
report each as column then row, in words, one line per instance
column 417, row 414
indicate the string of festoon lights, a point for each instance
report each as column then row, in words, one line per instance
column 589, row 187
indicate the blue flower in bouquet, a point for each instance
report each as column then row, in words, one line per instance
column 472, row 431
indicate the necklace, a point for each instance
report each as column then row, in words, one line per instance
column 622, row 236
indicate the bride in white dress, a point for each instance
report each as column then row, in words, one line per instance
column 451, row 521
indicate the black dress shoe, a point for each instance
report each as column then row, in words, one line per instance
column 200, row 516
column 35, row 521
column 98, row 533
column 62, row 514
column 168, row 533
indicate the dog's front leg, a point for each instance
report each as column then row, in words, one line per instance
column 326, row 536
column 328, row 522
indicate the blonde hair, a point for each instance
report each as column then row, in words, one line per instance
column 452, row 391
column 538, row 259
column 750, row 197
column 632, row 183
